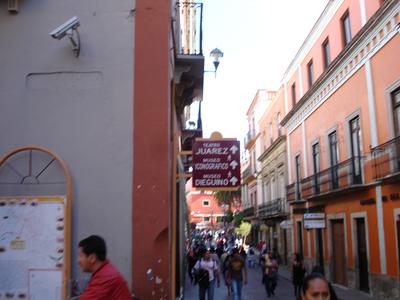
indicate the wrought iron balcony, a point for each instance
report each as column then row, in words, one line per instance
column 191, row 28
column 249, row 140
column 386, row 159
column 246, row 172
column 341, row 177
column 272, row 208
column 248, row 212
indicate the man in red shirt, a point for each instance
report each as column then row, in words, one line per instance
column 106, row 282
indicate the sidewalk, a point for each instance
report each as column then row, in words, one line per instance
column 343, row 293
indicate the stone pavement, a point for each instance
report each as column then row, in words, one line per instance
column 254, row 290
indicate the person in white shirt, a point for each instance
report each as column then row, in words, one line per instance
column 208, row 264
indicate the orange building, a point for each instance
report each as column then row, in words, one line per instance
column 204, row 211
column 342, row 119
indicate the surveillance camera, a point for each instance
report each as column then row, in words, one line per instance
column 63, row 29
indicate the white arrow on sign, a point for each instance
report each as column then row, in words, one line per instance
column 229, row 157
column 229, row 174
column 233, row 180
column 233, row 149
column 233, row 164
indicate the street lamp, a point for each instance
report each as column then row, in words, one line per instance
column 216, row 54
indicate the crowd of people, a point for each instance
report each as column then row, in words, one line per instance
column 212, row 260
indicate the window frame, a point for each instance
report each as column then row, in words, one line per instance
column 346, row 28
column 204, row 205
column 310, row 73
column 297, row 167
column 326, row 53
column 395, row 106
column 293, row 91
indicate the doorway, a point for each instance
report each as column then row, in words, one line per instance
column 362, row 255
column 285, row 249
column 338, row 252
column 299, row 238
column 320, row 250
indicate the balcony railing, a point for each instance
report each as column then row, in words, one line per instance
column 248, row 212
column 191, row 28
column 386, row 158
column 249, row 139
column 272, row 208
column 341, row 176
column 246, row 172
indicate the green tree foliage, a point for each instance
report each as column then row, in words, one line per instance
column 243, row 229
column 238, row 218
column 227, row 197
column 228, row 216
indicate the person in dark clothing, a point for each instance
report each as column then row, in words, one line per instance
column 191, row 261
column 271, row 274
column 298, row 273
column 238, row 274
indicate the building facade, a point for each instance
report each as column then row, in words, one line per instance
column 115, row 115
column 251, row 167
column 204, row 210
column 341, row 94
column 273, row 211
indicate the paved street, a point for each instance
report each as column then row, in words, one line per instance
column 254, row 290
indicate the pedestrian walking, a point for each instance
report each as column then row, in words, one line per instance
column 271, row 274
column 191, row 261
column 225, row 272
column 238, row 273
column 206, row 273
column 106, row 282
column 298, row 273
column 251, row 258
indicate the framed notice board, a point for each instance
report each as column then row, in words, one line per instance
column 34, row 247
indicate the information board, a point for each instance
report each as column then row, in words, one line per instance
column 216, row 163
column 314, row 220
column 32, row 244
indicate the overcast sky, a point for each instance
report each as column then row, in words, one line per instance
column 259, row 39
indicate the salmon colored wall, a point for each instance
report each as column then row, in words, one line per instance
column 296, row 148
column 334, row 31
column 390, row 229
column 385, row 66
column 371, row 6
column 195, row 204
column 294, row 79
column 352, row 96
column 270, row 115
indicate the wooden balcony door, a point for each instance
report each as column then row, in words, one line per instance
column 338, row 252
column 362, row 256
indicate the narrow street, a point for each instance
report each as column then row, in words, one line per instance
column 254, row 290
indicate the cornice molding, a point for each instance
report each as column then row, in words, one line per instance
column 370, row 39
column 330, row 10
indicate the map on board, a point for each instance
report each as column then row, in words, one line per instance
column 31, row 247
